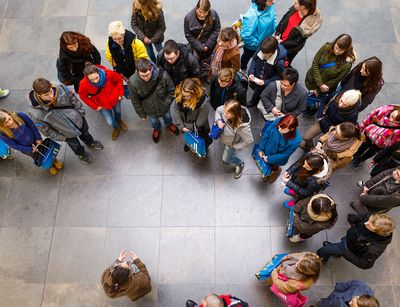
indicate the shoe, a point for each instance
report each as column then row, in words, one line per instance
column 190, row 303
column 96, row 145
column 10, row 156
column 53, row 171
column 288, row 204
column 186, row 148
column 274, row 175
column 174, row 129
column 4, row 93
column 356, row 163
column 57, row 164
column 289, row 192
column 156, row 135
column 85, row 158
column 238, row 171
column 326, row 243
column 122, row 125
column 223, row 163
column 295, row 238
column 361, row 183
column 115, row 134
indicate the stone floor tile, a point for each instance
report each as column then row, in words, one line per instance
column 21, row 295
column 58, row 8
column 24, row 9
column 393, row 253
column 187, row 255
column 135, row 201
column 171, row 295
column 188, row 201
column 76, row 255
column 238, row 244
column 386, row 295
column 317, row 292
column 84, row 201
column 28, row 35
column 104, row 7
column 396, row 293
column 24, row 254
column 149, row 299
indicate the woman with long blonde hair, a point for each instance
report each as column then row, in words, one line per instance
column 148, row 23
column 190, row 109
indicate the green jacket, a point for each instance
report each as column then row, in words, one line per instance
column 330, row 76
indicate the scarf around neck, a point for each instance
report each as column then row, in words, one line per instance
column 337, row 145
column 216, row 63
column 102, row 80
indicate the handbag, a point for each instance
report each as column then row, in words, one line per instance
column 271, row 265
column 278, row 103
column 314, row 102
column 295, row 299
column 263, row 166
column 195, row 143
column 289, row 224
column 46, row 153
column 216, row 131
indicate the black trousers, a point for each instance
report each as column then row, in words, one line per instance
column 85, row 136
column 382, row 165
column 246, row 57
column 366, row 150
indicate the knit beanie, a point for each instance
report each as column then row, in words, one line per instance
column 351, row 97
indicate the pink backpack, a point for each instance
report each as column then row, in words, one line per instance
column 295, row 299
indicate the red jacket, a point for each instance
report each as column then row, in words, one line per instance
column 231, row 301
column 108, row 96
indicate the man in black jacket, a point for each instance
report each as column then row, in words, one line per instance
column 365, row 240
column 178, row 62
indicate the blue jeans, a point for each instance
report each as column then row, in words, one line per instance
column 229, row 156
column 155, row 120
column 112, row 116
column 334, row 249
column 150, row 50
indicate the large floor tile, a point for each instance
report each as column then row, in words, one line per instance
column 104, row 7
column 28, row 36
column 21, row 295
column 66, row 8
column 23, row 9
column 171, row 295
column 187, row 255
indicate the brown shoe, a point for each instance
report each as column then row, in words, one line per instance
column 123, row 126
column 57, row 164
column 115, row 134
column 53, row 171
column 274, row 175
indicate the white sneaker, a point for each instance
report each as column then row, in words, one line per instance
column 295, row 239
column 4, row 93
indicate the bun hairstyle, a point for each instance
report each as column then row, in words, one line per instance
column 119, row 276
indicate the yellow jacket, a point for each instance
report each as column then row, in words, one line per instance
column 138, row 48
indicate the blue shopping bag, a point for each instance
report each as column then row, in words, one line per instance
column 46, row 153
column 263, row 166
column 289, row 224
column 4, row 150
column 315, row 102
column 195, row 143
column 271, row 265
column 215, row 132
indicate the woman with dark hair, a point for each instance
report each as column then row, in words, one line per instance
column 235, row 121
column 226, row 53
column 75, row 50
column 279, row 139
column 308, row 176
column 312, row 215
column 301, row 21
column 126, row 276
column 367, row 78
column 148, row 23
column 102, row 89
column 258, row 23
column 387, row 158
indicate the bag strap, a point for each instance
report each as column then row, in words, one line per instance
column 151, row 92
column 95, row 94
column 327, row 65
column 387, row 127
column 61, row 107
column 202, row 29
column 279, row 94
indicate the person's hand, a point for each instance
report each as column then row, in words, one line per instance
column 147, row 40
column 276, row 112
column 39, row 142
column 315, row 93
column 133, row 255
column 265, row 158
column 34, row 148
column 278, row 38
column 324, row 88
column 122, row 255
column 99, row 108
column 121, row 97
column 184, row 129
column 220, row 124
column 205, row 49
column 365, row 190
column 260, row 154
column 258, row 81
column 287, row 175
column 251, row 78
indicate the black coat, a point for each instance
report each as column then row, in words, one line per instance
column 219, row 95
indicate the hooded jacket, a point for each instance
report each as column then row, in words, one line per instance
column 238, row 137
column 186, row 66
column 236, row 90
column 156, row 104
column 344, row 293
column 306, row 222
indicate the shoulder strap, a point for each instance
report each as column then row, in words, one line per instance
column 387, row 127
column 98, row 91
column 202, row 29
column 151, row 92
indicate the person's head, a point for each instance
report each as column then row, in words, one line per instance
column 171, row 51
column 7, row 120
column 307, row 5
column 203, row 9
column 347, row 130
column 117, row 32
column 313, row 164
column 120, row 275
column 269, row 46
column 371, row 71
column 233, row 112
column 212, row 300
column 364, row 301
column 150, row 9
column 74, row 41
column 396, row 174
column 380, row 223
column 91, row 72
column 43, row 88
column 310, row 265
column 289, row 78
column 144, row 69
column 188, row 92
column 323, row 205
column 348, row 99
column 225, row 77
column 395, row 115
column 226, row 36
column 287, row 126
column 342, row 48
column 262, row 5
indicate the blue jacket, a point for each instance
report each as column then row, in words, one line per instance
column 275, row 146
column 265, row 71
column 344, row 292
column 24, row 136
column 257, row 25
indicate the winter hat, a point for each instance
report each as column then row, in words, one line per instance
column 351, row 97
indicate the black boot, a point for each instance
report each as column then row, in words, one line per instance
column 190, row 303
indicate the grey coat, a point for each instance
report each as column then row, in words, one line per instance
column 239, row 137
column 152, row 29
column 294, row 103
column 55, row 123
column 156, row 104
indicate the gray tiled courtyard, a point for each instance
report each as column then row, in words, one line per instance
column 197, row 229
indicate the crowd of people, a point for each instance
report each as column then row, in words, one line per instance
column 183, row 83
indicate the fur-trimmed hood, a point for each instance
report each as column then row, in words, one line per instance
column 325, row 174
column 311, row 24
column 319, row 217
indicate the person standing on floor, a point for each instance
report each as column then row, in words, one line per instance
column 152, row 93
column 387, row 158
column 148, row 23
column 102, row 90
column 59, row 114
column 235, row 121
column 75, row 50
column 127, row 276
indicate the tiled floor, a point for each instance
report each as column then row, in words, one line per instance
column 197, row 229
